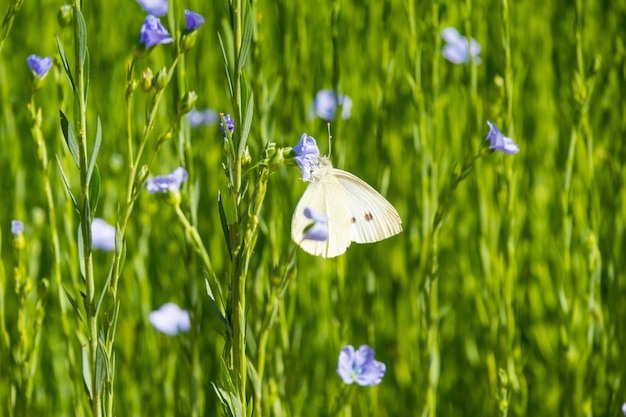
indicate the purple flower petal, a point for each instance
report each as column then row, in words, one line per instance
column 156, row 8
column 457, row 50
column 167, row 183
column 229, row 122
column 153, row 33
column 499, row 142
column 17, row 227
column 39, row 65
column 201, row 118
column 307, row 155
column 102, row 235
column 170, row 319
column 325, row 105
column 360, row 366
column 318, row 230
column 316, row 216
column 194, row 20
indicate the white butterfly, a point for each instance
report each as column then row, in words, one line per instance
column 356, row 212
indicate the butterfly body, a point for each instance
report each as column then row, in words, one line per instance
column 356, row 212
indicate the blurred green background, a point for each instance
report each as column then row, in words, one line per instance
column 524, row 315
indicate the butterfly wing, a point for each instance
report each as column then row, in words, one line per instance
column 373, row 217
column 327, row 196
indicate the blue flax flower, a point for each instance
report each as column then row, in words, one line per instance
column 457, row 50
column 167, row 183
column 194, row 20
column 153, row 33
column 229, row 122
column 170, row 319
column 360, row 366
column 156, row 8
column 17, row 227
column 307, row 155
column 318, row 230
column 499, row 142
column 624, row 409
column 326, row 102
column 39, row 65
column 102, row 235
column 199, row 118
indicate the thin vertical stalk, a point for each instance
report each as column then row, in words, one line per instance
column 238, row 270
column 85, row 210
column 42, row 153
column 509, row 284
column 133, row 186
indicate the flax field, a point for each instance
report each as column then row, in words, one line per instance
column 502, row 295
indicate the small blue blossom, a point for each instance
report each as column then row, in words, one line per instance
column 318, row 230
column 153, row 33
column 170, row 319
column 194, row 20
column 17, row 227
column 229, row 122
column 167, row 183
column 325, row 105
column 39, row 65
column 624, row 409
column 307, row 155
column 457, row 50
column 102, row 235
column 499, row 142
column 205, row 117
column 359, row 366
column 156, row 8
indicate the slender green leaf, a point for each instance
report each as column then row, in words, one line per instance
column 247, row 124
column 94, row 191
column 67, row 185
column 87, row 372
column 74, row 305
column 106, row 285
column 216, row 308
column 81, row 252
column 100, row 366
column 247, row 36
column 77, row 117
column 253, row 376
column 81, row 27
column 70, row 139
column 118, row 240
column 224, row 221
column 231, row 89
column 66, row 65
column 86, row 75
column 96, row 149
column 229, row 400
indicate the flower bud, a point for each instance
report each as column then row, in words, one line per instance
column 65, row 15
column 161, row 79
column 17, row 229
column 187, row 102
column 188, row 41
column 140, row 179
column 146, row 80
column 245, row 157
column 131, row 87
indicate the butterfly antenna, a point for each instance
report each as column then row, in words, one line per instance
column 330, row 139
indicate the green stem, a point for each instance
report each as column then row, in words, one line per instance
column 85, row 213
column 42, row 153
column 7, row 23
column 133, row 187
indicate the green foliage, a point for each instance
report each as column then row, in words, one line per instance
column 502, row 296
